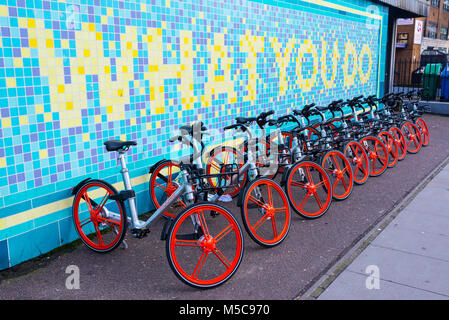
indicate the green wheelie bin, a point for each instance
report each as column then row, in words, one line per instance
column 430, row 80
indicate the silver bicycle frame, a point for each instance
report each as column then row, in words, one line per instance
column 185, row 188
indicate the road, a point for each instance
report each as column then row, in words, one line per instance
column 280, row 273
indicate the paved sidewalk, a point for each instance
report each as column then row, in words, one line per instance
column 409, row 259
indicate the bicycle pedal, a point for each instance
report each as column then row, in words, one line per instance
column 140, row 233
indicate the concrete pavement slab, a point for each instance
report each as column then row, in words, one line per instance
column 415, row 242
column 431, row 201
column 415, row 220
column 409, row 269
column 352, row 286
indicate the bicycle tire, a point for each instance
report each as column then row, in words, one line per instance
column 264, row 208
column 93, row 223
column 202, row 239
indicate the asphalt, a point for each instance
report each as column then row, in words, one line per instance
column 285, row 272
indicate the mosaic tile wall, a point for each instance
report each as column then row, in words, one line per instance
column 76, row 73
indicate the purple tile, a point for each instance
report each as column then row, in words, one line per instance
column 17, row 52
column 4, row 112
column 12, row 179
column 12, row 11
column 5, row 32
column 27, row 157
column 37, row 173
column 21, row 177
column 38, row 182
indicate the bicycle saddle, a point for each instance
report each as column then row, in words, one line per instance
column 244, row 120
column 116, row 145
column 189, row 129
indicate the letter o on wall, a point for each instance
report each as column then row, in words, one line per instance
column 365, row 76
column 307, row 47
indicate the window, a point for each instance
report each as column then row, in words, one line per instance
column 446, row 5
column 435, row 3
column 443, row 33
column 432, row 30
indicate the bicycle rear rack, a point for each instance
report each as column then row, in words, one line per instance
column 229, row 176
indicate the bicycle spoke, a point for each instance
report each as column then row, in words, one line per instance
column 256, row 201
column 270, row 195
column 260, row 222
column 298, row 184
column 203, row 222
column 109, row 221
column 160, row 187
column 88, row 221
column 200, row 264
column 273, row 224
column 305, row 200
column 97, row 231
column 187, row 243
column 318, row 200
column 102, row 202
column 223, row 233
column 222, row 258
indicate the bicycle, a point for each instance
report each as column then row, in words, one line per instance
column 200, row 231
column 264, row 208
column 302, row 179
column 410, row 131
column 320, row 148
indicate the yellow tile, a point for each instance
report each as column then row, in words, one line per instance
column 107, row 69
column 99, row 36
column 39, row 109
column 2, row 162
column 49, row 43
column 11, row 82
column 23, row 120
column 69, row 105
column 31, row 23
column 85, row 137
column 61, row 88
column 109, row 109
column 81, row 70
column 4, row 11
column 6, row 122
column 23, row 23
column 91, row 27
column 86, row 53
column 43, row 154
column 33, row 43
column 125, row 69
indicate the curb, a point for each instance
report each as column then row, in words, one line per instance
column 336, row 269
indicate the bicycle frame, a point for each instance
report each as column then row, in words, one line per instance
column 185, row 188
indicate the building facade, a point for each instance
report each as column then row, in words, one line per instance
column 74, row 74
